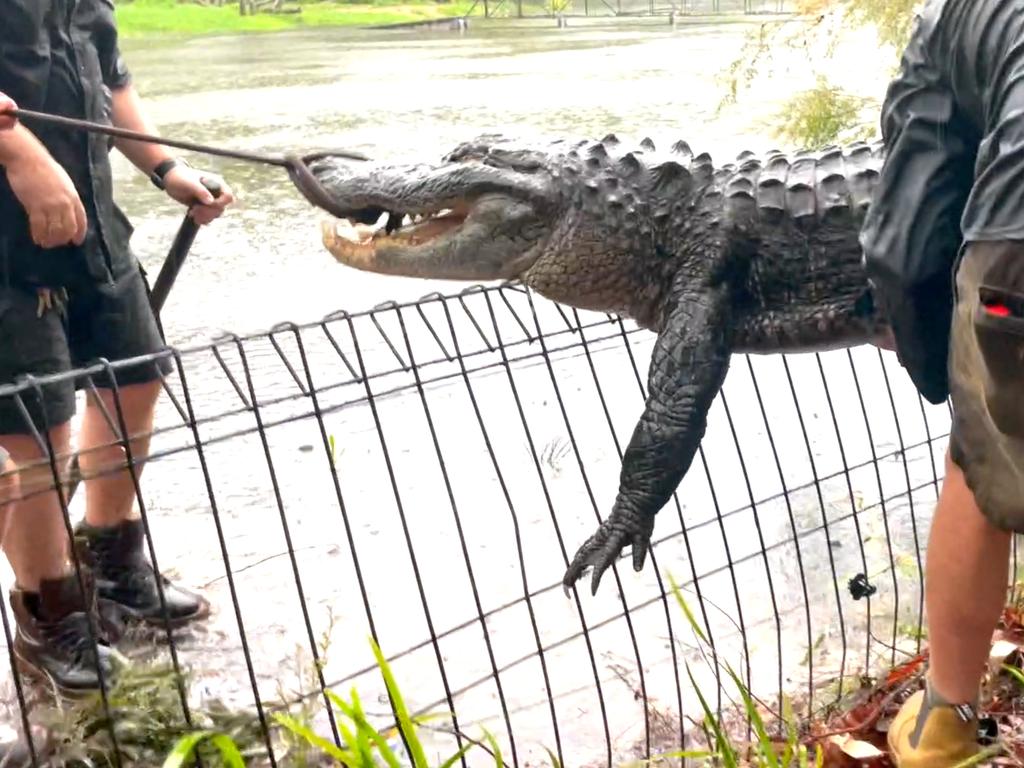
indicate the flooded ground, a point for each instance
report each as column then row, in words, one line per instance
column 465, row 497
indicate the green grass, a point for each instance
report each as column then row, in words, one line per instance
column 153, row 17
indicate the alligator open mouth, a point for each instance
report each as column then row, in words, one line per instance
column 481, row 234
column 366, row 230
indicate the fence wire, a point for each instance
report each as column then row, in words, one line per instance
column 421, row 474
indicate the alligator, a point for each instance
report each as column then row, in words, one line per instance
column 759, row 256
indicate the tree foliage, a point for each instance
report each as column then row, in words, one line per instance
column 818, row 116
column 824, row 112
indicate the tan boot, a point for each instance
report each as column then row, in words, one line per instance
column 930, row 734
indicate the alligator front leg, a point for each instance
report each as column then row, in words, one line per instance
column 688, row 365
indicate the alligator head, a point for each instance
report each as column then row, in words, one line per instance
column 482, row 213
column 560, row 217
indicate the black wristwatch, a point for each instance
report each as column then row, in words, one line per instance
column 162, row 169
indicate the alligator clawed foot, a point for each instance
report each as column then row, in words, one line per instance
column 600, row 550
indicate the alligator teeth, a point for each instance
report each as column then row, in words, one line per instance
column 354, row 233
column 359, row 233
column 388, row 224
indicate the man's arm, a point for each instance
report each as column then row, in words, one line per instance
column 129, row 114
column 55, row 212
column 182, row 183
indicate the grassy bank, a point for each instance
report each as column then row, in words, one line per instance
column 148, row 17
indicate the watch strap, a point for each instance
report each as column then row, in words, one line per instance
column 163, row 168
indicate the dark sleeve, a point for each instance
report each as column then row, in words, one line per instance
column 115, row 71
column 114, row 68
column 911, row 235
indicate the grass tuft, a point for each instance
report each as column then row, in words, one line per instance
column 148, row 725
column 139, row 18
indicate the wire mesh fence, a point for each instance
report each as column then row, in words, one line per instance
column 422, row 473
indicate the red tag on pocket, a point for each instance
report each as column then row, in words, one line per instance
column 1000, row 310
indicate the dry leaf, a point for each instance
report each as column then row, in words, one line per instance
column 1001, row 651
column 857, row 749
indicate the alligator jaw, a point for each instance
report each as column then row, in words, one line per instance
column 474, row 238
column 356, row 244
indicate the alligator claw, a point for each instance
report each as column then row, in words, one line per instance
column 600, row 550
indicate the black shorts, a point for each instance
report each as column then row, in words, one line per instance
column 97, row 321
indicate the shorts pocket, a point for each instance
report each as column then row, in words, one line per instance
column 999, row 329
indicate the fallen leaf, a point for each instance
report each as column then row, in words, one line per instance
column 906, row 670
column 1001, row 649
column 857, row 749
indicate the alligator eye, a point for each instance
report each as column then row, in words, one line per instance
column 515, row 159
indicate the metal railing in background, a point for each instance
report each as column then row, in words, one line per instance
column 422, row 473
column 597, row 9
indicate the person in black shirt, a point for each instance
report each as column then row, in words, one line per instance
column 13, row 753
column 71, row 292
column 944, row 249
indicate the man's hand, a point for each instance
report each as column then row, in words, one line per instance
column 7, row 121
column 55, row 212
column 185, row 185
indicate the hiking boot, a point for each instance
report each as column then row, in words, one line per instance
column 929, row 733
column 53, row 641
column 126, row 579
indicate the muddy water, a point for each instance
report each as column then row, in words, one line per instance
column 495, row 485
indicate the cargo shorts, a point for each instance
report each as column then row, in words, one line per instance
column 112, row 321
column 986, row 372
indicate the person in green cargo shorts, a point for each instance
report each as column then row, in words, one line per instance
column 944, row 249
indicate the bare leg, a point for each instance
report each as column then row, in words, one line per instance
column 48, row 600
column 112, row 527
column 965, row 590
column 10, row 491
column 110, row 498
column 35, row 539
